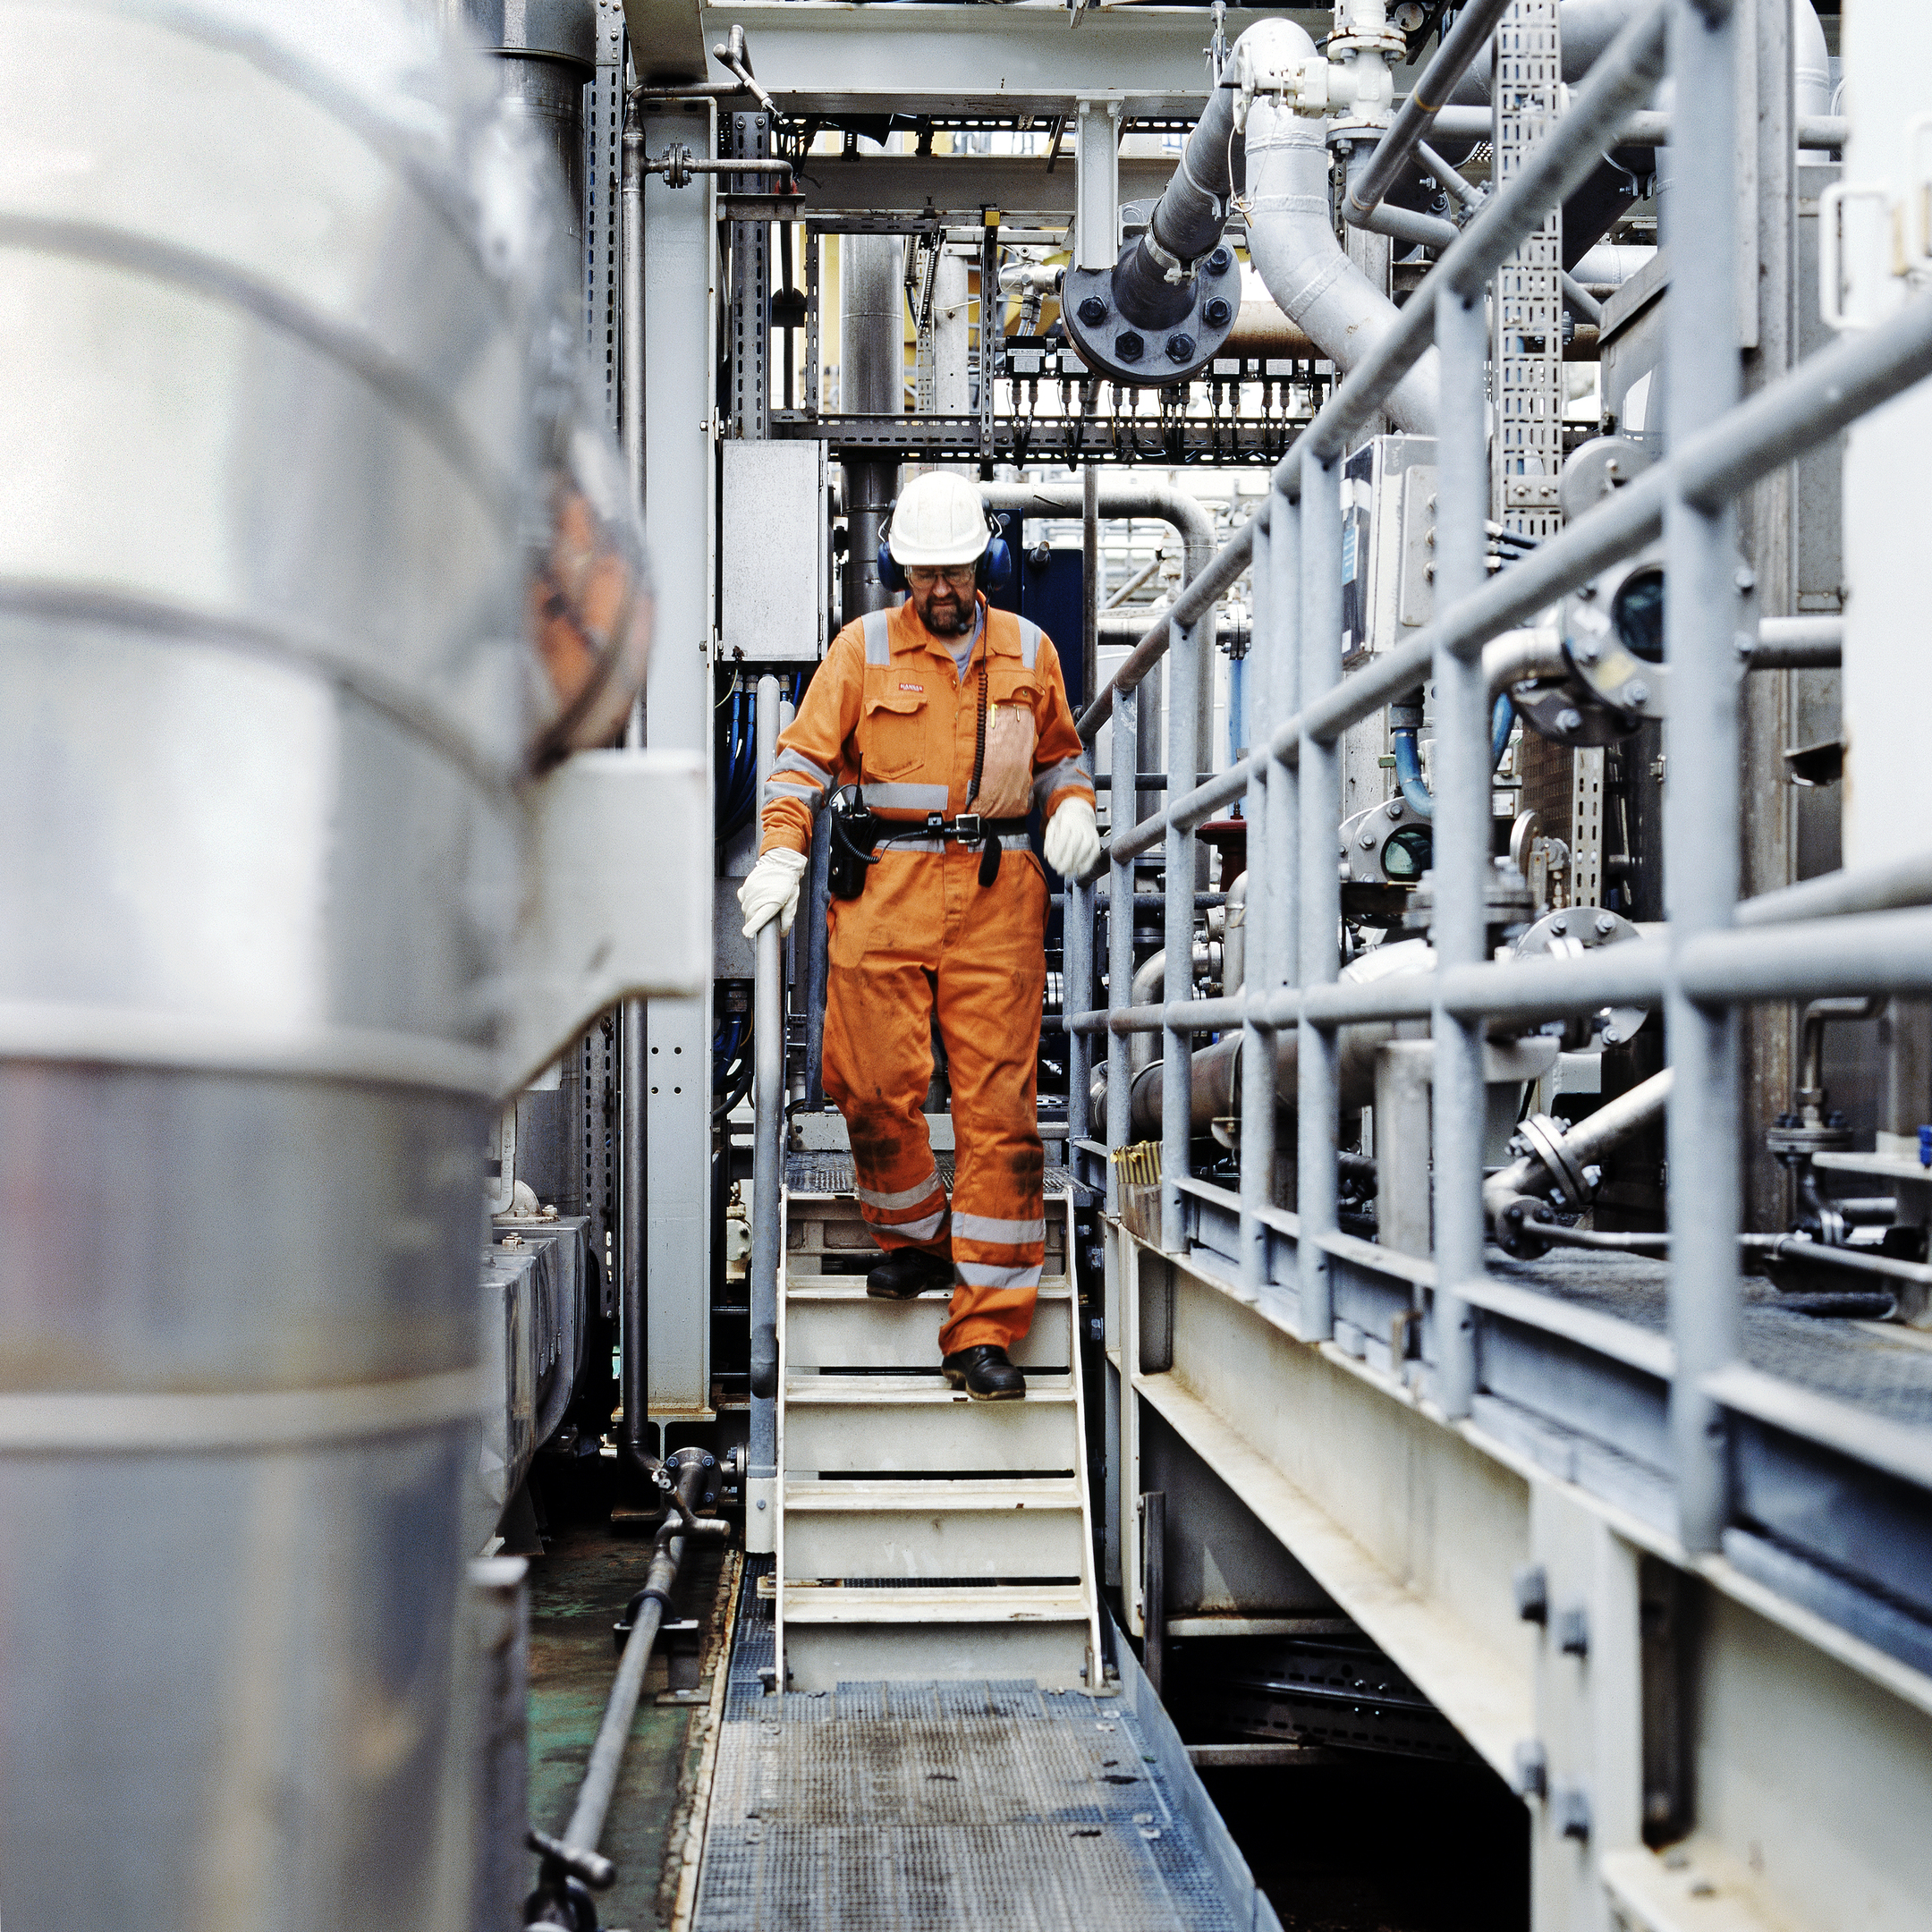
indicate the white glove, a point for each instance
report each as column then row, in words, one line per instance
column 771, row 890
column 1073, row 839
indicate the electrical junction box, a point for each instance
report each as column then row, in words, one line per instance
column 1379, row 505
column 774, row 539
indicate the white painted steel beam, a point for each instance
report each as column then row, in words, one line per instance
column 680, row 308
column 668, row 38
column 835, row 59
column 956, row 187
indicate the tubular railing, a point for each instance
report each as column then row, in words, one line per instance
column 1858, row 935
column 767, row 1182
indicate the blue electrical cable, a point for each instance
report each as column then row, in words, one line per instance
column 1409, row 776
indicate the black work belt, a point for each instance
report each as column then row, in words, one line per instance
column 969, row 829
column 856, row 831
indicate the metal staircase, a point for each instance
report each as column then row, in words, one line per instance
column 922, row 1535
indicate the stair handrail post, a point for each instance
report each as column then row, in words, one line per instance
column 767, row 1155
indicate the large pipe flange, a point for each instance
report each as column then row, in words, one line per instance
column 1544, row 1136
column 1131, row 325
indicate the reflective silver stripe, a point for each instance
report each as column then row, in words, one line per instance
column 796, row 761
column 914, row 845
column 980, row 1274
column 795, row 784
column 1030, row 637
column 923, row 1229
column 905, row 1198
column 877, row 637
column 1057, row 779
column 984, row 1227
column 918, row 798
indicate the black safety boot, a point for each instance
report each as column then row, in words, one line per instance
column 984, row 1372
column 907, row 1272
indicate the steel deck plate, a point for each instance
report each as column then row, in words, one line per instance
column 904, row 1807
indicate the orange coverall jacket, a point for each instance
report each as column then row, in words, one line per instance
column 888, row 711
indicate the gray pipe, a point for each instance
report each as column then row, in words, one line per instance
column 1131, row 496
column 1216, row 1083
column 1586, row 1144
column 633, row 1332
column 1520, row 655
column 1121, row 629
column 1293, row 245
column 1148, row 977
column 633, row 1380
column 257, row 753
column 682, row 1521
column 1587, row 28
column 767, row 1179
column 1215, row 1071
column 1235, row 939
column 1090, row 581
column 1151, row 282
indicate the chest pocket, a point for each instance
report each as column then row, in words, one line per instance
column 1006, row 779
column 892, row 732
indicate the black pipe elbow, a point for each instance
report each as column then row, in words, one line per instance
column 1152, row 321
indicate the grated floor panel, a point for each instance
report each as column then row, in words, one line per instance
column 1884, row 1368
column 917, row 1806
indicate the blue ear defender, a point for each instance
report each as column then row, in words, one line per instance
column 995, row 567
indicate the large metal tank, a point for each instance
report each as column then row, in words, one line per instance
column 263, row 523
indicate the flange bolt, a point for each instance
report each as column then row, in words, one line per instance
column 1128, row 346
column 1217, row 312
column 1179, row 348
column 1093, row 311
column 1220, row 261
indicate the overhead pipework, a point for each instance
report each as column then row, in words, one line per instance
column 1163, row 309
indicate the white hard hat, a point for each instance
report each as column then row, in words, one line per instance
column 939, row 519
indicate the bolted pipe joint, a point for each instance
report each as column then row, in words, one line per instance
column 1153, row 317
column 1170, row 300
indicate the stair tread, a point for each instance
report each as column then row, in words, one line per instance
column 887, row 1495
column 913, row 1391
column 1006, row 1603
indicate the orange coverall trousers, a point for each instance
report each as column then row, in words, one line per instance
column 888, row 710
column 977, row 956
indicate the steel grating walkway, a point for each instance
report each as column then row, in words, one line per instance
column 920, row 1807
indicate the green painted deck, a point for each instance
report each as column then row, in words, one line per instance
column 579, row 1588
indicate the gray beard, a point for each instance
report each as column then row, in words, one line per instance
column 957, row 625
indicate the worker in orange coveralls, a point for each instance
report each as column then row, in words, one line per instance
column 951, row 718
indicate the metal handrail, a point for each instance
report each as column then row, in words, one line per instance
column 1781, row 421
column 1865, row 932
column 767, row 1181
